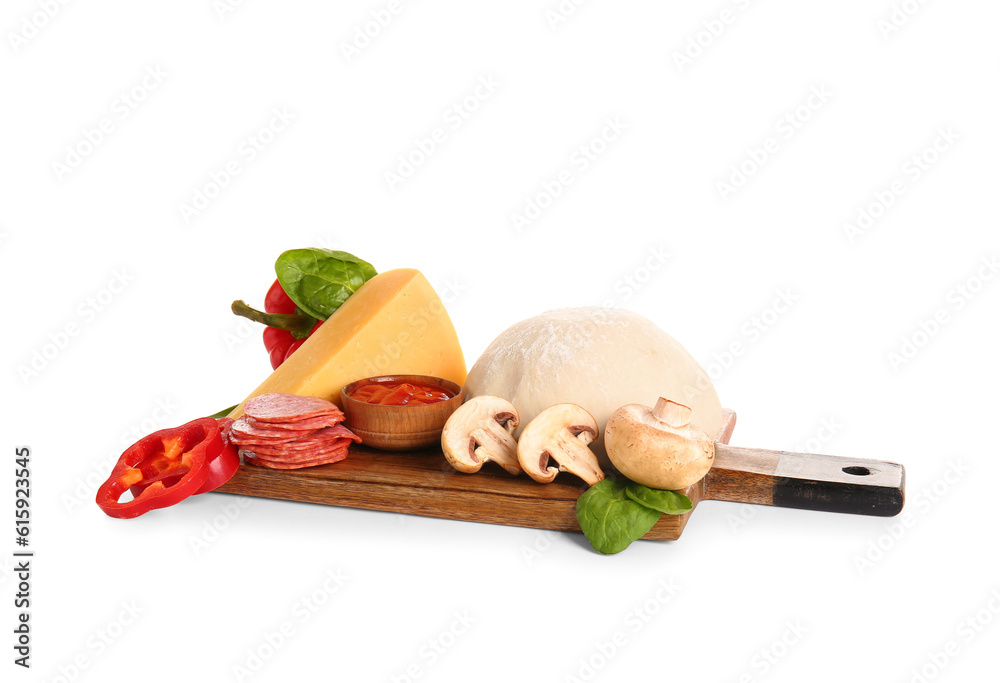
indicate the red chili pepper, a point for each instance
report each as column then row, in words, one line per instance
column 287, row 326
column 168, row 466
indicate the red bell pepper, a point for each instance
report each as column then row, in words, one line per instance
column 287, row 326
column 168, row 466
column 220, row 468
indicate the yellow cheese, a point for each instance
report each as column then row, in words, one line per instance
column 394, row 324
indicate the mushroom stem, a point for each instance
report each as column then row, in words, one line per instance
column 582, row 463
column 671, row 413
column 496, row 443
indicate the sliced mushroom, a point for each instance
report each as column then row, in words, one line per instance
column 658, row 447
column 479, row 431
column 560, row 433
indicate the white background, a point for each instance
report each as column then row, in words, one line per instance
column 828, row 597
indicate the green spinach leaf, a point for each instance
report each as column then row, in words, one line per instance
column 320, row 280
column 610, row 519
column 668, row 502
column 222, row 413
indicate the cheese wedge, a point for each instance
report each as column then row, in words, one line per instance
column 394, row 324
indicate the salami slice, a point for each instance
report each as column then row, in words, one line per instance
column 283, row 431
column 244, row 431
column 250, row 442
column 339, row 431
column 333, row 455
column 314, row 450
column 313, row 440
column 286, row 408
column 250, row 458
column 297, row 425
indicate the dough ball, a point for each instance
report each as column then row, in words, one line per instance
column 598, row 358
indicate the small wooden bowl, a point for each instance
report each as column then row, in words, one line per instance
column 400, row 428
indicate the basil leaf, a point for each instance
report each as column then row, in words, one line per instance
column 609, row 519
column 669, row 502
column 320, row 280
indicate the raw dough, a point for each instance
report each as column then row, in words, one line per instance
column 598, row 358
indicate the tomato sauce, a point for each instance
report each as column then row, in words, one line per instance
column 399, row 394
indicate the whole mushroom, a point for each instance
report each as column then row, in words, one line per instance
column 658, row 447
column 480, row 431
column 561, row 433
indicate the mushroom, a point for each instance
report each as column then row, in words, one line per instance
column 561, row 433
column 479, row 431
column 658, row 447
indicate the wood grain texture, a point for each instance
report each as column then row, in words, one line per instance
column 423, row 483
column 747, row 479
column 806, row 481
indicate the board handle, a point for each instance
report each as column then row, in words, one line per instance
column 805, row 481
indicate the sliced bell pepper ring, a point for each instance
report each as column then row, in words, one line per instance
column 166, row 467
column 221, row 468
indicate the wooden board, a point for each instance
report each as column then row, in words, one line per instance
column 423, row 483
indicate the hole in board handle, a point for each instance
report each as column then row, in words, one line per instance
column 856, row 470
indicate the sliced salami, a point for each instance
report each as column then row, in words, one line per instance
column 247, row 442
column 282, row 431
column 334, row 456
column 314, row 451
column 313, row 440
column 249, row 431
column 250, row 458
column 339, row 431
column 286, row 408
column 297, row 425
column 244, row 430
